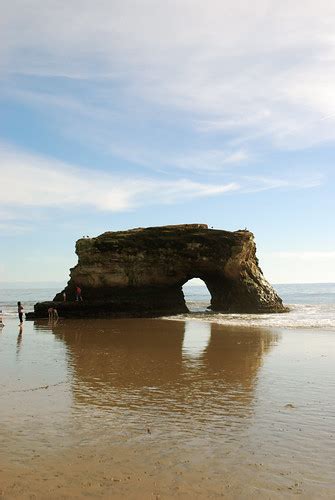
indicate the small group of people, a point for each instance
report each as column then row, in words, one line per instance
column 53, row 314
column 78, row 294
column 52, row 311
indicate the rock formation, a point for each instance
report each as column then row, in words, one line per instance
column 141, row 272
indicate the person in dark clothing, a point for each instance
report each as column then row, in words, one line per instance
column 20, row 312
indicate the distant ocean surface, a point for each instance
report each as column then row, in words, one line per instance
column 312, row 305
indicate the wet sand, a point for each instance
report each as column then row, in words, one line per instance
column 165, row 409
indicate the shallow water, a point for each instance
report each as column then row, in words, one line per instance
column 203, row 407
column 311, row 306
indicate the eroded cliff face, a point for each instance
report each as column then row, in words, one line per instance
column 141, row 272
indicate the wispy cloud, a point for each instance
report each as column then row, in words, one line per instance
column 300, row 180
column 14, row 220
column 14, row 227
column 35, row 181
column 211, row 160
column 299, row 266
column 258, row 70
column 309, row 256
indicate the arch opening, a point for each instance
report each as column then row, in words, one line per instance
column 196, row 295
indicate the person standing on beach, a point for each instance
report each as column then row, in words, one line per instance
column 53, row 314
column 20, row 312
column 78, row 293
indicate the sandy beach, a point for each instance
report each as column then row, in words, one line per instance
column 162, row 409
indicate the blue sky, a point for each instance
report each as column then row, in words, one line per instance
column 119, row 114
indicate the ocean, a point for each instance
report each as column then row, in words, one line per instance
column 312, row 305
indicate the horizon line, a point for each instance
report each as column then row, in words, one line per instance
column 56, row 282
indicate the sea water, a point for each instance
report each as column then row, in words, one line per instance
column 312, row 305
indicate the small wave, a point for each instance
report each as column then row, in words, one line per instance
column 299, row 316
column 10, row 310
column 9, row 314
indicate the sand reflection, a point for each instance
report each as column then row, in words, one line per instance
column 196, row 338
column 155, row 367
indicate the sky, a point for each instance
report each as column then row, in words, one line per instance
column 117, row 114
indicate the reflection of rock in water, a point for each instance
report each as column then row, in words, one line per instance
column 232, row 361
column 237, row 353
column 142, row 363
column 125, row 355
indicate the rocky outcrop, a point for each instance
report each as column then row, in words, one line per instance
column 141, row 272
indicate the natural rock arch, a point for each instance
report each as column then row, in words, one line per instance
column 141, row 272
